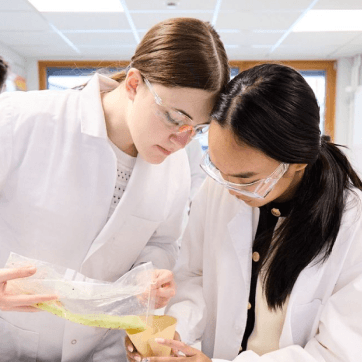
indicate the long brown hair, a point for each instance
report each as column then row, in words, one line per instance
column 182, row 52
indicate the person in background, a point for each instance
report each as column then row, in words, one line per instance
column 3, row 73
column 271, row 261
column 96, row 180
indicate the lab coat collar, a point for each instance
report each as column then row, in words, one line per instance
column 92, row 116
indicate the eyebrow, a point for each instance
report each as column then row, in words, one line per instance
column 240, row 175
column 244, row 175
column 183, row 112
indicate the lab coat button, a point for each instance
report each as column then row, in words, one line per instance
column 275, row 212
column 74, row 341
column 256, row 256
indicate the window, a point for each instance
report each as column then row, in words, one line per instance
column 64, row 75
column 320, row 75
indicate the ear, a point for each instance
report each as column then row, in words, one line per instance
column 295, row 167
column 133, row 80
column 300, row 166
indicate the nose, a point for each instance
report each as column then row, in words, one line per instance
column 181, row 139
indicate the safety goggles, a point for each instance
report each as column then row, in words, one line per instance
column 257, row 189
column 174, row 119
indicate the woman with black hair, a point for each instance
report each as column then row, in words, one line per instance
column 271, row 263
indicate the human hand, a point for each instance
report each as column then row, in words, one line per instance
column 163, row 287
column 133, row 355
column 19, row 303
column 190, row 354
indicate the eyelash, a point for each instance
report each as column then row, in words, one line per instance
column 170, row 119
column 249, row 182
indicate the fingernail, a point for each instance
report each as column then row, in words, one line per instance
column 146, row 360
column 138, row 358
column 130, row 348
column 29, row 267
column 159, row 340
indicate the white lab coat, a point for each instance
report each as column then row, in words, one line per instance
column 198, row 176
column 57, row 177
column 324, row 316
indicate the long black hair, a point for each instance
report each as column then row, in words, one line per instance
column 272, row 108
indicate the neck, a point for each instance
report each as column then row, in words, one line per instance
column 115, row 106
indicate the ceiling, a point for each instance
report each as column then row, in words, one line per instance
column 250, row 30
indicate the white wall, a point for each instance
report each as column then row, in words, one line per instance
column 32, row 74
column 348, row 130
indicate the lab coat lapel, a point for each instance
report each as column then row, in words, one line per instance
column 139, row 211
column 242, row 232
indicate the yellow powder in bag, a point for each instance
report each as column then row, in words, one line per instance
column 129, row 322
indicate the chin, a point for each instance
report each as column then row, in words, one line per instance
column 153, row 159
column 253, row 202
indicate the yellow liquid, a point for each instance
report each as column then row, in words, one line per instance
column 129, row 322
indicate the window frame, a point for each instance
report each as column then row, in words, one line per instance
column 328, row 66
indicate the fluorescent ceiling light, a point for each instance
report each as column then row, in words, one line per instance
column 330, row 20
column 74, row 6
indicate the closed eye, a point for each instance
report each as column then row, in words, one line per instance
column 170, row 119
column 247, row 182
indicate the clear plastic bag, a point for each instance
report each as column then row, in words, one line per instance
column 124, row 304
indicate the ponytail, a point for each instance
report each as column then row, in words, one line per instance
column 310, row 230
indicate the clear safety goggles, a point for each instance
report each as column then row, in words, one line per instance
column 174, row 119
column 257, row 189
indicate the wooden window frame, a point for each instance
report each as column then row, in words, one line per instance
column 328, row 66
column 43, row 65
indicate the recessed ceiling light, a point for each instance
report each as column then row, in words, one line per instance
column 330, row 20
column 172, row 4
column 72, row 6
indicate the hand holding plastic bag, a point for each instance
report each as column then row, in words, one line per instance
column 116, row 305
column 11, row 301
column 163, row 287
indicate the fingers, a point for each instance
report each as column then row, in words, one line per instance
column 162, row 277
column 175, row 351
column 166, row 292
column 25, row 309
column 132, row 354
column 178, row 345
column 161, row 302
column 23, row 303
column 163, row 288
column 16, row 273
column 27, row 300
